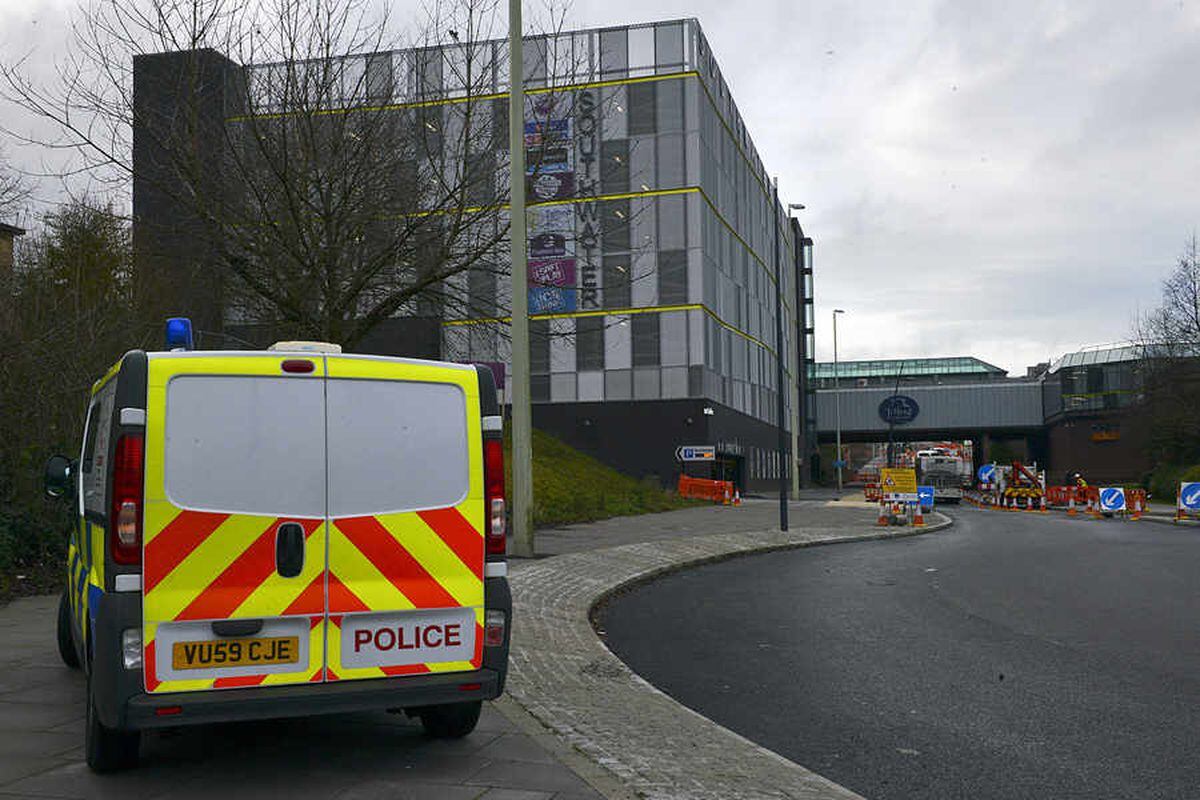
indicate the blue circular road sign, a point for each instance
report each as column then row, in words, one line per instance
column 1112, row 499
column 1189, row 496
column 987, row 473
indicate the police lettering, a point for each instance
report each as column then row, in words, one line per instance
column 402, row 638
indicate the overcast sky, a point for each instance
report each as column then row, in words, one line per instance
column 1006, row 180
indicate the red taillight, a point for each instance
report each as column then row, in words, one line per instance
column 470, row 687
column 125, row 515
column 301, row 365
column 493, row 490
column 168, row 711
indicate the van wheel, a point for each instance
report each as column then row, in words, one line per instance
column 450, row 721
column 66, row 642
column 107, row 749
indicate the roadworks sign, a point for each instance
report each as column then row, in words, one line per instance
column 898, row 485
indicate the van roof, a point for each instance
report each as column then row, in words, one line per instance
column 156, row 354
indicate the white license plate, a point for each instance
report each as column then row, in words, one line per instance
column 408, row 637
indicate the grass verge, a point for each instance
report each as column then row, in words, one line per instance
column 570, row 487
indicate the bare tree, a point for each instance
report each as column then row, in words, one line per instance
column 319, row 191
column 13, row 190
column 1170, row 340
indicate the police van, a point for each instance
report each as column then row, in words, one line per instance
column 283, row 533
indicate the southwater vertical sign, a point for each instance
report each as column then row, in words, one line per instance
column 587, row 182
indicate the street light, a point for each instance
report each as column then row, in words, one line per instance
column 801, row 325
column 837, row 405
column 522, row 422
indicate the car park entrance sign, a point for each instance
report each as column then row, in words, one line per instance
column 705, row 452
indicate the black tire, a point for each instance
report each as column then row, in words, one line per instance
column 108, row 750
column 450, row 721
column 66, row 642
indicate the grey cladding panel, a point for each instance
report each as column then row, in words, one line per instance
column 962, row 406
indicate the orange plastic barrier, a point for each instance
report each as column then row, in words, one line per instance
column 704, row 489
column 872, row 492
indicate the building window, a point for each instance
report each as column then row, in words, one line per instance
column 615, row 226
column 614, row 50
column 645, row 340
column 614, row 166
column 668, row 45
column 669, row 101
column 589, row 343
column 617, row 288
column 539, row 348
column 641, row 109
column 672, row 277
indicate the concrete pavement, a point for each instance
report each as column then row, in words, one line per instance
column 352, row 756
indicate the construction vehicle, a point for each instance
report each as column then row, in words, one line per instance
column 942, row 469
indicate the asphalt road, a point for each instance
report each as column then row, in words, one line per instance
column 1012, row 656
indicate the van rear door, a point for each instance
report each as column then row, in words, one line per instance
column 234, row 522
column 406, row 508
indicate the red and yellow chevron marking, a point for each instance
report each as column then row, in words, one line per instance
column 201, row 566
column 411, row 560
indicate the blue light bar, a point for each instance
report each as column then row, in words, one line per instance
column 179, row 333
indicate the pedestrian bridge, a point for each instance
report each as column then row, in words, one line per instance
column 958, row 411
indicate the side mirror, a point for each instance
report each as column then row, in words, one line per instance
column 60, row 473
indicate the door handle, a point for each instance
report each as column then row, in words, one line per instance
column 289, row 549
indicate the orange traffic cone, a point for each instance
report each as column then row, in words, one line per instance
column 1071, row 505
column 883, row 517
column 918, row 516
column 1043, row 508
column 737, row 497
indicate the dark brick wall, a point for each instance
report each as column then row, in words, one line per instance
column 639, row 437
column 1121, row 460
column 179, row 104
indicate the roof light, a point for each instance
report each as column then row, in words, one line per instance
column 179, row 334
column 306, row 347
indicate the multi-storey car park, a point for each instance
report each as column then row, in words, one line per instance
column 656, row 241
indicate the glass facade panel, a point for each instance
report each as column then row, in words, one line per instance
column 589, row 343
column 646, row 340
column 642, row 108
column 614, row 51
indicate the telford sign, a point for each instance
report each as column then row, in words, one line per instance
column 898, row 409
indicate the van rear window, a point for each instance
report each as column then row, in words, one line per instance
column 396, row 446
column 250, row 445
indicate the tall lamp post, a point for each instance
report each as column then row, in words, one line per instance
column 837, row 405
column 782, row 456
column 522, row 417
column 797, row 399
